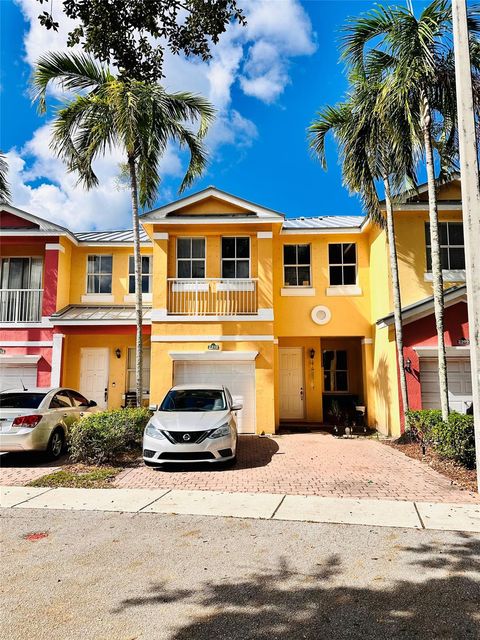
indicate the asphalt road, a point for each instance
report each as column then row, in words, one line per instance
column 111, row 576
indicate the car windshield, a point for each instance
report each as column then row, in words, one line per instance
column 21, row 400
column 194, row 400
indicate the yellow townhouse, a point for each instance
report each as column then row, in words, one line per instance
column 292, row 314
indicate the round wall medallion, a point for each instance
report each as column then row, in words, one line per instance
column 321, row 314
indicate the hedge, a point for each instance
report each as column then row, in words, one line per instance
column 454, row 439
column 103, row 437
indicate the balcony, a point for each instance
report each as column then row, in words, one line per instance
column 20, row 305
column 212, row 297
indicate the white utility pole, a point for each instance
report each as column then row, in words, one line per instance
column 470, row 198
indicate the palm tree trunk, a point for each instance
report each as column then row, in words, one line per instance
column 436, row 261
column 138, row 282
column 397, row 301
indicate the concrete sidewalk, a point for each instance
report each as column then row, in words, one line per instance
column 380, row 513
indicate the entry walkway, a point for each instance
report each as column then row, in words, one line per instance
column 314, row 464
column 377, row 513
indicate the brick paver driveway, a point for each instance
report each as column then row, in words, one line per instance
column 309, row 464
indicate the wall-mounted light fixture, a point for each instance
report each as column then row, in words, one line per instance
column 118, row 352
column 312, row 354
column 408, row 365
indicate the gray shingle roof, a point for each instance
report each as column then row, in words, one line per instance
column 110, row 236
column 324, row 222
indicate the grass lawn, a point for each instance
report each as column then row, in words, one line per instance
column 79, row 477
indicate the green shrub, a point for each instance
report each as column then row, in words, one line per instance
column 422, row 425
column 455, row 439
column 103, row 437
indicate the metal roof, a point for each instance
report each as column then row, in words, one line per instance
column 99, row 314
column 324, row 222
column 110, row 236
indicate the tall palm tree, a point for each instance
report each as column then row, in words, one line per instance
column 373, row 149
column 408, row 52
column 5, row 194
column 137, row 117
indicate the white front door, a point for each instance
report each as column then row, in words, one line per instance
column 238, row 377
column 459, row 377
column 292, row 392
column 94, row 375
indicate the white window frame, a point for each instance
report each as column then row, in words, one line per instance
column 343, row 264
column 447, row 246
column 191, row 259
column 333, row 373
column 100, row 273
column 297, row 265
column 6, row 259
column 235, row 259
column 132, row 273
column 132, row 370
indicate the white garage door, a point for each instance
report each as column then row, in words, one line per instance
column 459, row 383
column 13, row 375
column 238, row 377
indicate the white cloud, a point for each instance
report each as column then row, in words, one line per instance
column 256, row 58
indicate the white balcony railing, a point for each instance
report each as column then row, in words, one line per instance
column 21, row 305
column 212, row 296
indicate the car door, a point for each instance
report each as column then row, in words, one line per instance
column 63, row 408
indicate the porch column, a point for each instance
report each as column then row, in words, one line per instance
column 265, row 270
column 50, row 279
column 368, row 386
column 160, row 272
column 56, row 374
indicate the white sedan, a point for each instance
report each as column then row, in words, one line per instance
column 194, row 423
column 39, row 419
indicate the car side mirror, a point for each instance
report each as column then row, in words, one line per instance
column 237, row 407
column 153, row 407
column 92, row 403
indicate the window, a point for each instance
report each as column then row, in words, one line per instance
column 335, row 371
column 131, row 382
column 452, row 251
column 21, row 273
column 190, row 257
column 61, row 400
column 235, row 257
column 342, row 260
column 296, row 265
column 77, row 399
column 146, row 274
column 99, row 274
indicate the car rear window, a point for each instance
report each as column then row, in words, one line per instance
column 194, row 400
column 21, row 400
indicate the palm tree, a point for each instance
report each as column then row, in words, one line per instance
column 5, row 194
column 408, row 53
column 372, row 149
column 137, row 117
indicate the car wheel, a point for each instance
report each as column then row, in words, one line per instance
column 55, row 444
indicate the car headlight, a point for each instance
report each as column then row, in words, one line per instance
column 221, row 432
column 152, row 431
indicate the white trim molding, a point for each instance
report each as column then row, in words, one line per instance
column 449, row 275
column 344, row 290
column 432, row 352
column 59, row 322
column 306, row 292
column 26, row 343
column 56, row 359
column 106, row 298
column 20, row 359
column 54, row 246
column 264, row 235
column 45, row 323
column 160, row 235
column 367, row 340
column 161, row 315
column 204, row 338
column 216, row 356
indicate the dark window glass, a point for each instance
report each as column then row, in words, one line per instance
column 429, row 259
column 60, row 400
column 228, row 247
column 243, row 269
column 184, row 269
column 336, row 276
column 343, row 263
column 198, row 269
column 455, row 233
column 457, row 258
column 243, row 248
column 291, row 276
column 341, row 381
column 349, row 275
column 99, row 274
column 21, row 400
column 194, row 400
column 296, row 261
column 303, row 276
column 183, row 248
column 452, row 251
column 335, row 253
column 443, row 232
column 289, row 254
column 77, row 399
column 191, row 257
column 349, row 253
column 335, row 370
column 303, row 251
column 198, row 248
column 228, row 269
column 235, row 257
column 341, row 359
column 105, row 284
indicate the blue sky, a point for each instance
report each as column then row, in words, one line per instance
column 266, row 82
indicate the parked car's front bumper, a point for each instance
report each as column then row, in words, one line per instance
column 35, row 439
column 157, row 451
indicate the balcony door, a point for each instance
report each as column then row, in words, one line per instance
column 22, row 273
column 21, row 293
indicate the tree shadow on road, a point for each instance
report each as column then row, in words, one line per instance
column 330, row 602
